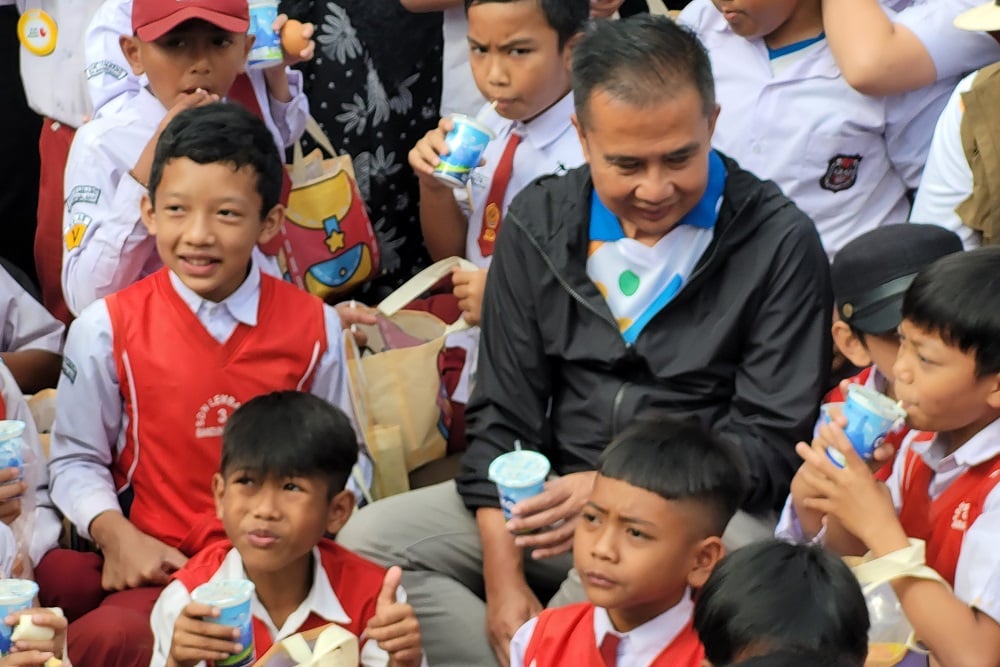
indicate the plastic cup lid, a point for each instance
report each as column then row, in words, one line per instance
column 875, row 402
column 11, row 428
column 16, row 590
column 224, row 593
column 519, row 468
column 458, row 118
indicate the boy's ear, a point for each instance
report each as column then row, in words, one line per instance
column 130, row 48
column 582, row 136
column 218, row 490
column 993, row 399
column 707, row 553
column 849, row 344
column 340, row 510
column 567, row 51
column 246, row 51
column 271, row 224
column 148, row 213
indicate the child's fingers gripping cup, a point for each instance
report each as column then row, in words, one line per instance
column 519, row 475
column 232, row 598
column 15, row 595
column 466, row 142
column 870, row 417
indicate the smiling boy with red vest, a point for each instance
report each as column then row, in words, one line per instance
column 944, row 482
column 152, row 374
column 650, row 533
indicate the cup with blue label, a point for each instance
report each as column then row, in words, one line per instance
column 519, row 475
column 12, row 447
column 466, row 142
column 232, row 598
column 871, row 416
column 266, row 49
column 15, row 595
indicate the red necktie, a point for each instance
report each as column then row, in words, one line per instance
column 493, row 213
column 609, row 649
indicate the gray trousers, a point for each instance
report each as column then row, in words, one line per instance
column 435, row 539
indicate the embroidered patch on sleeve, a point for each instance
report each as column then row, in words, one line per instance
column 87, row 194
column 112, row 69
column 78, row 227
column 69, row 370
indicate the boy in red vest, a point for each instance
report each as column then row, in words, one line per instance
column 943, row 486
column 286, row 458
column 772, row 597
column 650, row 533
column 153, row 372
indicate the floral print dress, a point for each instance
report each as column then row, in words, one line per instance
column 375, row 88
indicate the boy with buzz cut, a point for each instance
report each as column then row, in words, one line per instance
column 286, row 458
column 943, row 486
column 772, row 597
column 192, row 54
column 849, row 160
column 650, row 534
column 153, row 372
column 520, row 52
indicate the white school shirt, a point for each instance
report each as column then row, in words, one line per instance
column 26, row 324
column 953, row 51
column 43, row 524
column 638, row 647
column 321, row 600
column 111, row 80
column 55, row 84
column 947, row 179
column 804, row 126
column 549, row 145
column 91, row 423
column 105, row 245
column 459, row 93
column 977, row 577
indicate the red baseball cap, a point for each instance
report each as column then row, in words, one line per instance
column 152, row 19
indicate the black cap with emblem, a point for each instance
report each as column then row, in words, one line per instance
column 871, row 273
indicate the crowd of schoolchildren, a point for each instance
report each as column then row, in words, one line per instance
column 204, row 427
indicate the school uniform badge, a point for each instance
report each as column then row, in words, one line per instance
column 841, row 173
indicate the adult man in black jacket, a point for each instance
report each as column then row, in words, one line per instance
column 743, row 345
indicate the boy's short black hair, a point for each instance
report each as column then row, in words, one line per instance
column 774, row 596
column 679, row 460
column 290, row 434
column 958, row 298
column 799, row 659
column 224, row 133
column 640, row 60
column 567, row 17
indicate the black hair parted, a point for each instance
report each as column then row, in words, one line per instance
column 567, row 17
column 641, row 60
column 290, row 434
column 679, row 460
column 799, row 659
column 773, row 595
column 222, row 133
column 958, row 298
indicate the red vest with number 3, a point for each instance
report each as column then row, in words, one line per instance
column 564, row 637
column 180, row 385
column 943, row 522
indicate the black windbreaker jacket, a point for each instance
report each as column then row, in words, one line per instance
column 745, row 346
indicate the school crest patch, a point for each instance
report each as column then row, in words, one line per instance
column 841, row 173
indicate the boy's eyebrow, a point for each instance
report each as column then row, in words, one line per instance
column 514, row 43
column 622, row 518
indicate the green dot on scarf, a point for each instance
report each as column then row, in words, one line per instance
column 628, row 283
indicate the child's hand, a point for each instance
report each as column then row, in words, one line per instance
column 468, row 289
column 131, row 557
column 196, row 640
column 43, row 619
column 394, row 625
column 353, row 313
column 810, row 521
column 303, row 39
column 426, row 155
column 860, row 503
column 26, row 659
column 10, row 494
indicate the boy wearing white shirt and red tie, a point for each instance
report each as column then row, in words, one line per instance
column 153, row 372
column 650, row 533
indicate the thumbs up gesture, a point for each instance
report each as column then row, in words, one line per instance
column 394, row 626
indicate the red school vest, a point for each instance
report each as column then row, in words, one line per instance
column 894, row 438
column 355, row 580
column 179, row 386
column 565, row 637
column 943, row 522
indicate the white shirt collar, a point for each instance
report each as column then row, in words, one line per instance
column 241, row 304
column 652, row 636
column 980, row 448
column 321, row 599
column 542, row 130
